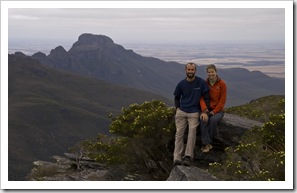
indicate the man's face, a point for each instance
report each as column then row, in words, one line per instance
column 190, row 71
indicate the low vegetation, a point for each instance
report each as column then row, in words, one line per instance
column 260, row 109
column 142, row 132
column 260, row 156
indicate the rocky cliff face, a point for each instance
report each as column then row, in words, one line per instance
column 70, row 168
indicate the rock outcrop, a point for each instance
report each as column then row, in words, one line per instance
column 229, row 132
column 68, row 168
column 184, row 173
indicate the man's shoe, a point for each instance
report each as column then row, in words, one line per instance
column 177, row 162
column 207, row 148
column 187, row 161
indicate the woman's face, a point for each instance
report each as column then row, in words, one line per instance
column 212, row 74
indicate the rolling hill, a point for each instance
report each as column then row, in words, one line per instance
column 51, row 110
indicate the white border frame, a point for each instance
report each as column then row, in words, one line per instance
column 159, row 185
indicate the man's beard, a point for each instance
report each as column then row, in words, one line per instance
column 190, row 75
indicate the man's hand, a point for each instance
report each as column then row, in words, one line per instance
column 204, row 117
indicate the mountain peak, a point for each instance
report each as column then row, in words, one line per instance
column 58, row 50
column 95, row 40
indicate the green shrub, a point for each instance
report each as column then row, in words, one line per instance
column 141, row 133
column 260, row 109
column 260, row 156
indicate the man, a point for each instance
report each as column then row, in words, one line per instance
column 188, row 93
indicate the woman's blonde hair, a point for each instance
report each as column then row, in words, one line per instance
column 211, row 66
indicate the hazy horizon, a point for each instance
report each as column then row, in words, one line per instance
column 268, row 58
column 67, row 43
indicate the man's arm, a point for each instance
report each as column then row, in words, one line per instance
column 177, row 101
column 206, row 98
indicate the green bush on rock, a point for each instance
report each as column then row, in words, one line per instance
column 141, row 134
column 260, row 156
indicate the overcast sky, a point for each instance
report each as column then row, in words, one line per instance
column 149, row 25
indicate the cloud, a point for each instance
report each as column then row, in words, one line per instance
column 151, row 24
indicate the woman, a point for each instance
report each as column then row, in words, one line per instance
column 212, row 115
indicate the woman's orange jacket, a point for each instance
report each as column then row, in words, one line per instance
column 218, row 95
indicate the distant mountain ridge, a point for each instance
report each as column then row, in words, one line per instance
column 98, row 56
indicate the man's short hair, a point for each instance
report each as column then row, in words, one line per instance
column 190, row 64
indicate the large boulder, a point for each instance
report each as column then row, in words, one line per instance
column 184, row 173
